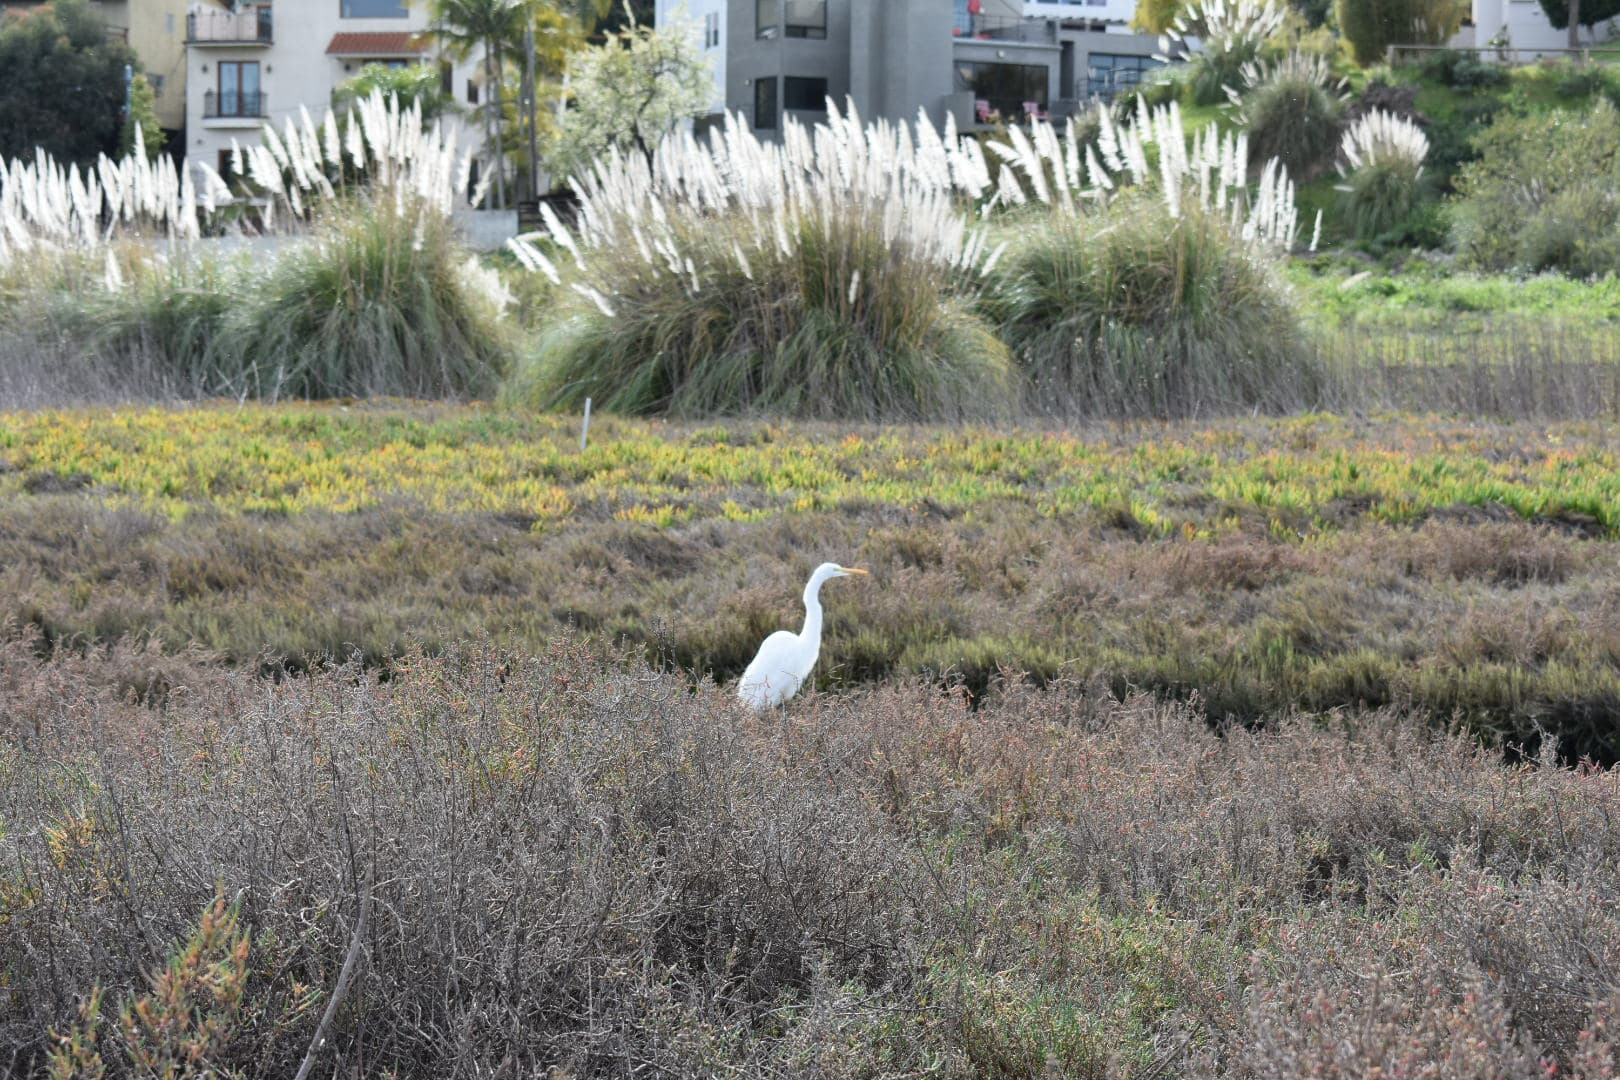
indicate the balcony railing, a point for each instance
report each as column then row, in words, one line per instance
column 1003, row 28
column 252, row 26
column 234, row 104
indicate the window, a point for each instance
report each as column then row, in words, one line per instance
column 1108, row 74
column 239, row 88
column 374, row 9
column 767, row 18
column 156, row 82
column 447, row 78
column 807, row 18
column 224, row 169
column 711, row 30
column 1004, row 88
column 765, row 104
column 804, row 95
column 472, row 92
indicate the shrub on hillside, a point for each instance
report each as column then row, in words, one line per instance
column 818, row 280
column 1293, row 110
column 1136, row 312
column 1462, row 70
column 1371, row 26
column 1383, row 174
column 1541, row 196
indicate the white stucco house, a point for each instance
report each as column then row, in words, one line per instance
column 257, row 63
column 1524, row 27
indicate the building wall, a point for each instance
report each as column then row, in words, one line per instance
column 156, row 30
column 1526, row 24
column 750, row 58
column 698, row 15
column 296, row 72
column 896, row 56
column 910, row 65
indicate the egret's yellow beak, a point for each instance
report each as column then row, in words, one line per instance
column 851, row 570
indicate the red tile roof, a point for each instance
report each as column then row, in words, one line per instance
column 401, row 43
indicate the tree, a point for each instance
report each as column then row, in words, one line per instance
column 611, row 16
column 1156, row 16
column 631, row 92
column 1371, row 26
column 61, row 83
column 464, row 26
column 558, row 31
column 415, row 84
column 142, row 114
column 1587, row 13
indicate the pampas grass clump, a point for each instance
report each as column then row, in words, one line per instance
column 1135, row 313
column 371, row 294
column 380, row 302
column 1293, row 111
column 1231, row 33
column 819, row 278
column 1148, row 290
column 1383, row 173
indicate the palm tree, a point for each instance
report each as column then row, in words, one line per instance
column 464, row 25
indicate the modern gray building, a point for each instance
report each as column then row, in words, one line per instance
column 982, row 61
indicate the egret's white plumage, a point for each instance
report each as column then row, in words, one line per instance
column 785, row 659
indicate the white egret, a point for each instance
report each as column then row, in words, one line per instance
column 785, row 659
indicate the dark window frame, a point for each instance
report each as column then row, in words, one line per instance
column 237, row 100
column 1006, row 98
column 814, row 31
column 801, row 88
column 767, row 104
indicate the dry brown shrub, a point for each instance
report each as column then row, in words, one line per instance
column 578, row 862
column 1238, row 563
column 1498, row 553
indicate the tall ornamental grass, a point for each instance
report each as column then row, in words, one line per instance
column 1230, row 34
column 1137, row 313
column 1148, row 290
column 1382, row 169
column 817, row 278
column 370, row 293
column 1293, row 110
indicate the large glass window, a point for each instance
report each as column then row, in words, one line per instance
column 374, row 9
column 1108, row 74
column 239, row 88
column 765, row 104
column 807, row 18
column 1004, row 90
column 804, row 95
column 767, row 18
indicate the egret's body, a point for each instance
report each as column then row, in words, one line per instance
column 784, row 661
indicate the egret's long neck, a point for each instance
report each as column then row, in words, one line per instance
column 812, row 612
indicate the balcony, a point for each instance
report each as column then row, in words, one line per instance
column 1003, row 28
column 248, row 27
column 235, row 105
